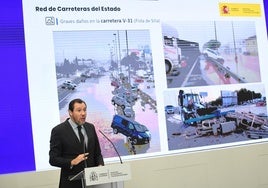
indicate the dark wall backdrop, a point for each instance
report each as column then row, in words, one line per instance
column 17, row 153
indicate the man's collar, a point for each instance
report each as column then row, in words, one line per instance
column 72, row 123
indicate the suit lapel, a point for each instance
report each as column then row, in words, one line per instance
column 71, row 133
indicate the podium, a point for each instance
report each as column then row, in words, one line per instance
column 108, row 176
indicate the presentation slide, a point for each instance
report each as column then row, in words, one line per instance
column 159, row 77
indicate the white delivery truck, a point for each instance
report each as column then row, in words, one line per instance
column 172, row 52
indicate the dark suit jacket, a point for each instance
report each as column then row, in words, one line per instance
column 65, row 146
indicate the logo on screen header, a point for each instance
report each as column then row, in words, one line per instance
column 240, row 9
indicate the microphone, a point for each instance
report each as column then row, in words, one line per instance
column 84, row 150
column 112, row 145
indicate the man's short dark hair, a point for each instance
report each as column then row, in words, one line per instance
column 71, row 104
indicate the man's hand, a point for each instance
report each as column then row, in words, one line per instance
column 79, row 159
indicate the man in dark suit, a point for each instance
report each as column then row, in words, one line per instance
column 71, row 152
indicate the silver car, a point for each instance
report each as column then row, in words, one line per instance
column 120, row 101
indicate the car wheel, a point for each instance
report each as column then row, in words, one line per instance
column 168, row 67
column 134, row 141
column 115, row 131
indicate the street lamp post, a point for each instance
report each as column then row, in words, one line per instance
column 236, row 58
column 127, row 56
column 116, row 53
column 119, row 52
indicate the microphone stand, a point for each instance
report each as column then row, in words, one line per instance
column 85, row 165
column 84, row 150
column 112, row 145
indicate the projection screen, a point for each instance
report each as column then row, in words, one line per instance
column 183, row 76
